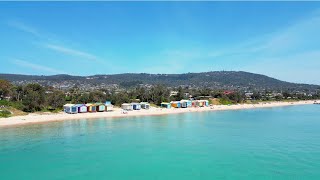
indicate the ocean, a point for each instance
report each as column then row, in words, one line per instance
column 267, row 143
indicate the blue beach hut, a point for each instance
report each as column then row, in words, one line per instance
column 136, row 106
column 166, row 105
column 186, row 103
column 70, row 108
column 82, row 108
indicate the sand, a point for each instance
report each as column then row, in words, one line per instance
column 117, row 112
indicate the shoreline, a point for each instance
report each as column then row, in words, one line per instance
column 116, row 113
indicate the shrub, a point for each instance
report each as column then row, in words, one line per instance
column 5, row 113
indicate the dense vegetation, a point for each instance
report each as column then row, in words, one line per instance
column 215, row 79
column 34, row 97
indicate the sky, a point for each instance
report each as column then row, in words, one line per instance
column 277, row 39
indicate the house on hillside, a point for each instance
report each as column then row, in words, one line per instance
column 173, row 93
column 228, row 92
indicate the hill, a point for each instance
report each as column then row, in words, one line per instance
column 214, row 79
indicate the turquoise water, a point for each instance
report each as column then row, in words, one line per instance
column 272, row 143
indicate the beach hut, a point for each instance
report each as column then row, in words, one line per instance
column 127, row 106
column 166, row 105
column 70, row 108
column 136, row 106
column 109, row 106
column 200, row 103
column 194, row 103
column 91, row 107
column 206, row 103
column 186, row 103
column 107, row 103
column 176, row 104
column 82, row 108
column 145, row 105
column 203, row 103
column 100, row 107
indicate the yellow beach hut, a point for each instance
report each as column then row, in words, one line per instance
column 91, row 107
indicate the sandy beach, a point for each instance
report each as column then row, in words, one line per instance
column 117, row 113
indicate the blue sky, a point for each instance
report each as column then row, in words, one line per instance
column 280, row 40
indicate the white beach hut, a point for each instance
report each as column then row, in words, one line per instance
column 145, row 105
column 70, row 108
column 82, row 108
column 127, row 106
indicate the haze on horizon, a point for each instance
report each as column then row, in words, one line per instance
column 277, row 39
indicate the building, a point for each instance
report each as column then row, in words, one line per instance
column 109, row 106
column 173, row 93
column 100, row 107
column 186, row 103
column 228, row 92
column 205, row 102
column 70, row 108
column 166, row 105
column 82, row 108
column 136, row 106
column 127, row 106
column 145, row 105
column 175, row 104
column 91, row 107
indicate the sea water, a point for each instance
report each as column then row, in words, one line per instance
column 270, row 143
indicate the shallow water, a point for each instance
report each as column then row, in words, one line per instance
column 270, row 143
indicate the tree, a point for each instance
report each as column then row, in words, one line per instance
column 97, row 96
column 17, row 93
column 237, row 97
column 84, row 98
column 5, row 88
column 158, row 94
column 34, row 97
column 180, row 94
column 286, row 95
column 119, row 98
column 142, row 94
column 56, row 99
column 278, row 97
column 256, row 96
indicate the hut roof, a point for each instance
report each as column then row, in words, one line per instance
column 69, row 105
column 78, row 105
column 144, row 103
column 165, row 103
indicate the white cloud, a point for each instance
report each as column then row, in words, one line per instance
column 36, row 67
column 49, row 42
column 72, row 52
column 298, row 38
column 23, row 27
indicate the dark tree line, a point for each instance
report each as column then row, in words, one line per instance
column 34, row 97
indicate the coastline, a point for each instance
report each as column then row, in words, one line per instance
column 116, row 113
